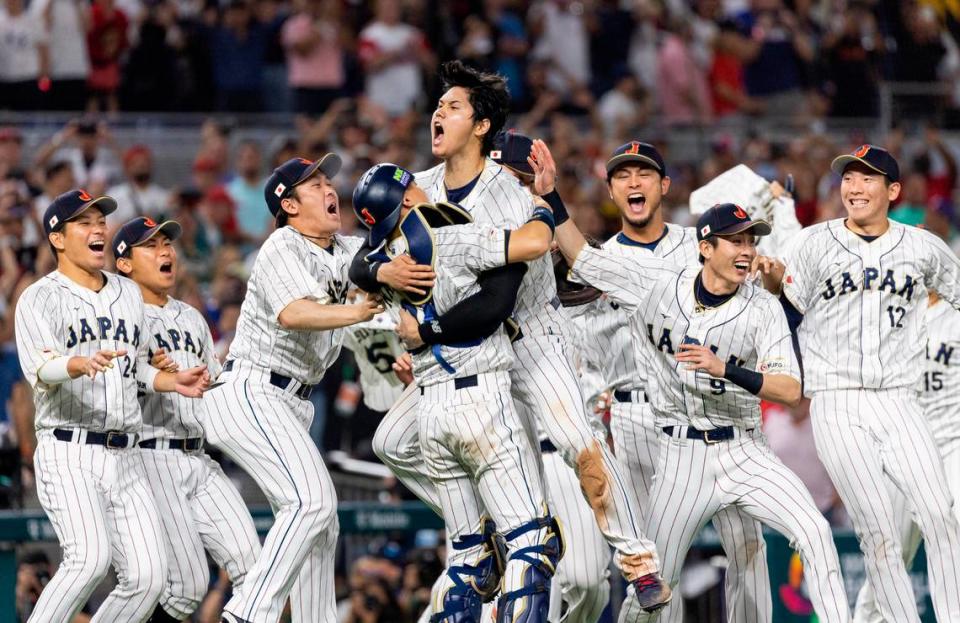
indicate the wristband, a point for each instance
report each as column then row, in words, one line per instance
column 553, row 200
column 545, row 216
column 430, row 332
column 54, row 371
column 747, row 379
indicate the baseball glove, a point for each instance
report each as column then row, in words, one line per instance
column 570, row 294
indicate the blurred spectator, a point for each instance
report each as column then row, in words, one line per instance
column 106, row 41
column 150, row 77
column 24, row 58
column 273, row 14
column 623, row 107
column 34, row 570
column 790, row 435
column 728, row 94
column 218, row 218
column 511, row 45
column 11, row 154
column 611, row 28
column 912, row 209
column 373, row 582
column 237, row 52
column 774, row 62
column 681, row 83
column 89, row 148
column 66, row 22
column 560, row 30
column 394, row 55
column 246, row 189
column 852, row 52
column 138, row 195
column 312, row 38
column 476, row 45
column 58, row 178
column 206, row 173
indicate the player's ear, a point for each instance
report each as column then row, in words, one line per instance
column 288, row 205
column 124, row 265
column 56, row 239
column 664, row 184
column 893, row 191
column 706, row 249
column 481, row 127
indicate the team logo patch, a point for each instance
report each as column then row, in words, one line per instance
column 496, row 154
column 149, row 222
column 367, row 217
column 861, row 151
column 53, row 221
column 279, row 190
column 740, row 214
column 84, row 195
column 705, row 230
column 121, row 247
column 773, row 366
column 305, row 161
column 634, row 148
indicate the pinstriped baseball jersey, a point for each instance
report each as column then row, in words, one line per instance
column 750, row 329
column 375, row 346
column 499, row 199
column 863, row 303
column 182, row 332
column 289, row 267
column 56, row 317
column 623, row 366
column 941, row 378
column 462, row 252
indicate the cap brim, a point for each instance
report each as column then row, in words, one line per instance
column 171, row 229
column 106, row 205
column 840, row 163
column 329, row 165
column 516, row 167
column 380, row 231
column 759, row 227
column 620, row 159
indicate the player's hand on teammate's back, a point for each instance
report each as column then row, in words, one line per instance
column 403, row 274
column 699, row 357
column 368, row 307
column 192, row 381
column 544, row 168
column 100, row 361
column 771, row 272
column 162, row 361
column 403, row 368
column 408, row 329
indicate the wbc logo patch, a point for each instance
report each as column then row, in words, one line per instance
column 279, row 190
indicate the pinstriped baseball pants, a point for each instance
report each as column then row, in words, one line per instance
column 636, row 442
column 867, row 440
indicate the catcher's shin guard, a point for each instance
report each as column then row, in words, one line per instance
column 530, row 602
column 474, row 584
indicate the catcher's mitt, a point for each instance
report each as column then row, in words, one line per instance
column 570, row 294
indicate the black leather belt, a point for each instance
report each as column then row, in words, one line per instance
column 281, row 381
column 462, row 383
column 547, row 447
column 110, row 439
column 184, row 445
column 621, row 396
column 714, row 435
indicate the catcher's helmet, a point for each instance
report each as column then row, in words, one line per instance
column 378, row 197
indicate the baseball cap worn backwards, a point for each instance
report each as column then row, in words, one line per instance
column 72, row 204
column 872, row 157
column 139, row 230
column 294, row 172
column 726, row 219
column 513, row 153
column 636, row 152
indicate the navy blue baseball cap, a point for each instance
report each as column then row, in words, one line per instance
column 72, row 204
column 872, row 157
column 378, row 197
column 637, row 152
column 513, row 151
column 293, row 172
column 137, row 231
column 726, row 219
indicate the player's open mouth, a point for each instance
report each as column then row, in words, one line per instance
column 437, row 133
column 97, row 247
column 636, row 201
column 742, row 266
column 331, row 208
column 166, row 267
column 859, row 203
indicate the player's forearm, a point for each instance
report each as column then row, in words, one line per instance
column 364, row 273
column 781, row 388
column 529, row 242
column 304, row 315
column 570, row 241
column 61, row 369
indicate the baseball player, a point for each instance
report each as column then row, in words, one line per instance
column 858, row 288
column 288, row 333
column 376, row 347
column 199, row 506
column 721, row 345
column 637, row 182
column 544, row 383
column 82, row 343
column 941, row 388
column 476, row 452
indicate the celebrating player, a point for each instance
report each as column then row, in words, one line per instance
column 82, row 343
column 475, row 450
column 858, row 287
column 287, row 335
column 543, row 381
column 199, row 506
column 721, row 346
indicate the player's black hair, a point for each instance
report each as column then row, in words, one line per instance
column 712, row 241
column 489, row 96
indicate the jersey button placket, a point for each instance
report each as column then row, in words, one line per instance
column 873, row 331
